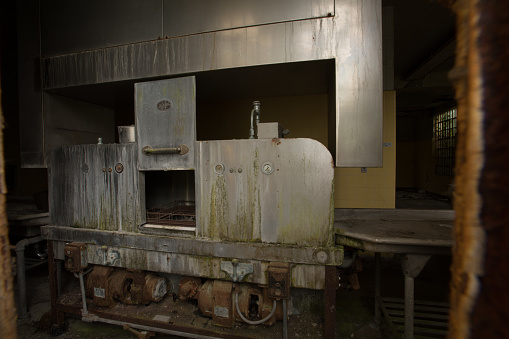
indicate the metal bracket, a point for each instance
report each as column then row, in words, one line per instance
column 109, row 256
column 279, row 280
column 412, row 264
column 76, row 259
column 237, row 271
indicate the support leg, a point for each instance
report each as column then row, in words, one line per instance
column 377, row 319
column 21, row 268
column 331, row 284
column 59, row 277
column 22, row 290
column 409, row 307
column 57, row 317
column 412, row 265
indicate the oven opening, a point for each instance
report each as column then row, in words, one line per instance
column 170, row 201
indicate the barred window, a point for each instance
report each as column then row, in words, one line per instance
column 444, row 141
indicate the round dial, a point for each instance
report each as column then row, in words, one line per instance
column 267, row 167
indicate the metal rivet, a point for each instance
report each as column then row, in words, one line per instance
column 110, row 170
column 104, row 169
column 232, row 170
column 240, row 170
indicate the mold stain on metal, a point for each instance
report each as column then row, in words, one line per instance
column 219, row 212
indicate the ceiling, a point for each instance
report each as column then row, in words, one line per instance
column 424, row 46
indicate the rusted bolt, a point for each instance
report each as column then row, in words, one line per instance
column 104, row 169
column 119, row 168
column 110, row 169
column 240, row 170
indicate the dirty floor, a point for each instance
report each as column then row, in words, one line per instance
column 355, row 309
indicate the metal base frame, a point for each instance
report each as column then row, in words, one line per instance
column 405, row 311
column 59, row 309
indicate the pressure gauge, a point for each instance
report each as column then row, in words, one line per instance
column 267, row 167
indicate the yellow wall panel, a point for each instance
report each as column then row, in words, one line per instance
column 377, row 187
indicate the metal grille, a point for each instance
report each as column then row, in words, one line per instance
column 444, row 137
column 177, row 213
column 430, row 318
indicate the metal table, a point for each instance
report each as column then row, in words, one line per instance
column 417, row 234
column 25, row 221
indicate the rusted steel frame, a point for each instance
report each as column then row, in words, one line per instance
column 247, row 251
column 468, row 251
column 7, row 305
column 57, row 316
column 92, row 311
column 331, row 284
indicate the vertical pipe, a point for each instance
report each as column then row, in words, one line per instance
column 84, row 312
column 409, row 307
column 331, row 283
column 22, row 290
column 377, row 319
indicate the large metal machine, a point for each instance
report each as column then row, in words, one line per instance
column 240, row 230
column 236, row 224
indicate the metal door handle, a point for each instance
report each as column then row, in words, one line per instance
column 182, row 149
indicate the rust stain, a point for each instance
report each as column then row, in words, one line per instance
column 490, row 312
column 276, row 141
column 468, row 251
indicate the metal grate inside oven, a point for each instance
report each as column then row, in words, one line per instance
column 177, row 213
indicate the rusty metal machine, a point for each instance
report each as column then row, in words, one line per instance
column 236, row 224
column 206, row 238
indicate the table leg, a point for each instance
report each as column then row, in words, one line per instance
column 23, row 314
column 412, row 265
column 409, row 307
column 377, row 319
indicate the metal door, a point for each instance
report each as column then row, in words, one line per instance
column 166, row 123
